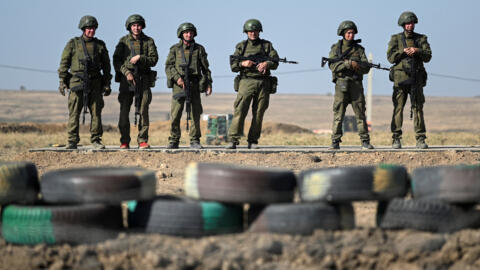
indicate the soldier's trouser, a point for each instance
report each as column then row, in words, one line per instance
column 349, row 92
column 126, row 99
column 176, row 111
column 75, row 108
column 257, row 92
column 399, row 98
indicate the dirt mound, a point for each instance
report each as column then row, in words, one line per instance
column 269, row 128
column 48, row 128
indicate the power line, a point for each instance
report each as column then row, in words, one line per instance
column 231, row 76
column 28, row 69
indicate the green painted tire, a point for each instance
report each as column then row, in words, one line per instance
column 234, row 184
column 346, row 184
column 79, row 224
column 183, row 217
column 18, row 183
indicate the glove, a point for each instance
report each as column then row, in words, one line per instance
column 107, row 90
column 347, row 63
column 62, row 88
column 355, row 65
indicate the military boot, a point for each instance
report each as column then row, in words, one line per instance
column 98, row 145
column 335, row 145
column 367, row 145
column 232, row 145
column 396, row 144
column 196, row 145
column 253, row 146
column 71, row 146
column 421, row 144
column 172, row 145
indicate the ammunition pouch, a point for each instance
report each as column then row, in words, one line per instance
column 343, row 84
column 66, row 80
column 203, row 84
column 118, row 77
column 236, row 82
column 273, row 83
column 391, row 74
column 152, row 75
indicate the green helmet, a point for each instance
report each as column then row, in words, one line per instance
column 345, row 25
column 87, row 21
column 135, row 18
column 252, row 25
column 184, row 27
column 407, row 17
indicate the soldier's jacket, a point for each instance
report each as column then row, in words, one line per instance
column 148, row 59
column 198, row 68
column 70, row 63
column 254, row 47
column 397, row 57
column 357, row 53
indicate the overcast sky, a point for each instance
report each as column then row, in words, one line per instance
column 35, row 33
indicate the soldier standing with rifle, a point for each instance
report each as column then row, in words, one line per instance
column 85, row 71
column 254, row 84
column 188, row 75
column 408, row 51
column 347, row 72
column 133, row 59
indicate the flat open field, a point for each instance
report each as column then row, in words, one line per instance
column 450, row 121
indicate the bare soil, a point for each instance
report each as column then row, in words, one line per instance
column 365, row 247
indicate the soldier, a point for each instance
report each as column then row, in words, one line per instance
column 85, row 71
column 407, row 51
column 193, row 57
column 254, row 84
column 347, row 75
column 133, row 59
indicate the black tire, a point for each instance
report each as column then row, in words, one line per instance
column 337, row 185
column 183, row 217
column 304, row 218
column 18, row 183
column 452, row 184
column 233, row 184
column 427, row 215
column 98, row 185
column 80, row 224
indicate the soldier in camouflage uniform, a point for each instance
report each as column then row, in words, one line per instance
column 192, row 54
column 348, row 76
column 135, row 51
column 81, row 51
column 408, row 51
column 254, row 85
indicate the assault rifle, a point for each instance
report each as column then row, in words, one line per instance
column 365, row 64
column 85, row 86
column 411, row 83
column 259, row 58
column 136, row 88
column 187, row 90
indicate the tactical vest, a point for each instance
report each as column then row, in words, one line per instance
column 191, row 56
column 352, row 53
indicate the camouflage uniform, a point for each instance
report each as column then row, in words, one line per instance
column 401, row 69
column 145, row 47
column 71, row 71
column 254, row 87
column 348, row 86
column 200, row 79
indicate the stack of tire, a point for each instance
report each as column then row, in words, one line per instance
column 75, row 206
column 444, row 199
column 217, row 194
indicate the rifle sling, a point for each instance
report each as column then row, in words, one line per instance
column 184, row 60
